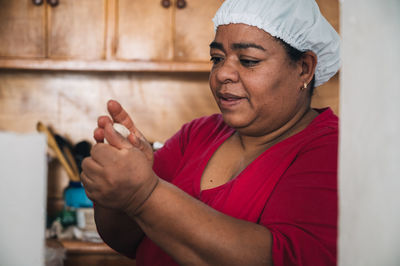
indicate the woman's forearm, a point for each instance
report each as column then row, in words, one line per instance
column 194, row 233
column 118, row 230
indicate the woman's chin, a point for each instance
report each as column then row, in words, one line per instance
column 235, row 120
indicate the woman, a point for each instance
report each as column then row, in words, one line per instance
column 254, row 185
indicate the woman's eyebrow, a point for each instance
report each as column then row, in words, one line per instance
column 217, row 45
column 236, row 46
column 245, row 45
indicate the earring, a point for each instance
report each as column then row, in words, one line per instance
column 304, row 86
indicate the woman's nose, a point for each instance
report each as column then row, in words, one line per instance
column 227, row 72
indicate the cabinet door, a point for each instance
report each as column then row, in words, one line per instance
column 77, row 29
column 194, row 30
column 22, row 29
column 144, row 30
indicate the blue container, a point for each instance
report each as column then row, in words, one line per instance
column 75, row 196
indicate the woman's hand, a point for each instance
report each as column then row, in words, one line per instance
column 119, row 115
column 119, row 175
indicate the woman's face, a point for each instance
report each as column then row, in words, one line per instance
column 254, row 83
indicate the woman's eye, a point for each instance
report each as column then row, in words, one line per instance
column 249, row 63
column 215, row 59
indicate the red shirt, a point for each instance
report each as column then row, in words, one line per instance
column 291, row 188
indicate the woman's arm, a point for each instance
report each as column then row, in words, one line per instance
column 195, row 234
column 118, row 230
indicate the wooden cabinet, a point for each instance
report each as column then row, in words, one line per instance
column 194, row 30
column 114, row 35
column 22, row 29
column 146, row 30
column 72, row 29
column 76, row 29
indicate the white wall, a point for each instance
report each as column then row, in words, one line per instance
column 23, row 176
column 369, row 164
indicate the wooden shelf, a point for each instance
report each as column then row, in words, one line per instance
column 104, row 65
column 75, row 246
column 80, row 253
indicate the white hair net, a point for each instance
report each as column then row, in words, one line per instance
column 297, row 22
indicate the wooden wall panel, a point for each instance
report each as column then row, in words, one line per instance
column 327, row 95
column 71, row 102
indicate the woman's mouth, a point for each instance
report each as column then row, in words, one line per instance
column 228, row 100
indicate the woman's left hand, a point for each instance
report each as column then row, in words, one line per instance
column 119, row 175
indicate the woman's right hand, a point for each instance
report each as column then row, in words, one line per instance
column 119, row 115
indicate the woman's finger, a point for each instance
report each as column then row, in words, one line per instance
column 103, row 120
column 98, row 133
column 119, row 115
column 87, row 183
column 115, row 139
column 137, row 139
column 91, row 168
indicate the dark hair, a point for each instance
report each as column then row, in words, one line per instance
column 294, row 56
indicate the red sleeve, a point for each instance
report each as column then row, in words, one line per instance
column 302, row 210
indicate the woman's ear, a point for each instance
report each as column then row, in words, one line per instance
column 308, row 65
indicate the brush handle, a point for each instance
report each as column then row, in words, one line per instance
column 51, row 142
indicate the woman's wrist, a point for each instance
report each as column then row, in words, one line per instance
column 141, row 197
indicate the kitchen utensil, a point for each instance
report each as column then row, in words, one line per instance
column 51, row 142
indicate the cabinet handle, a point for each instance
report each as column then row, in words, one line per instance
column 37, row 2
column 166, row 3
column 181, row 4
column 53, row 3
